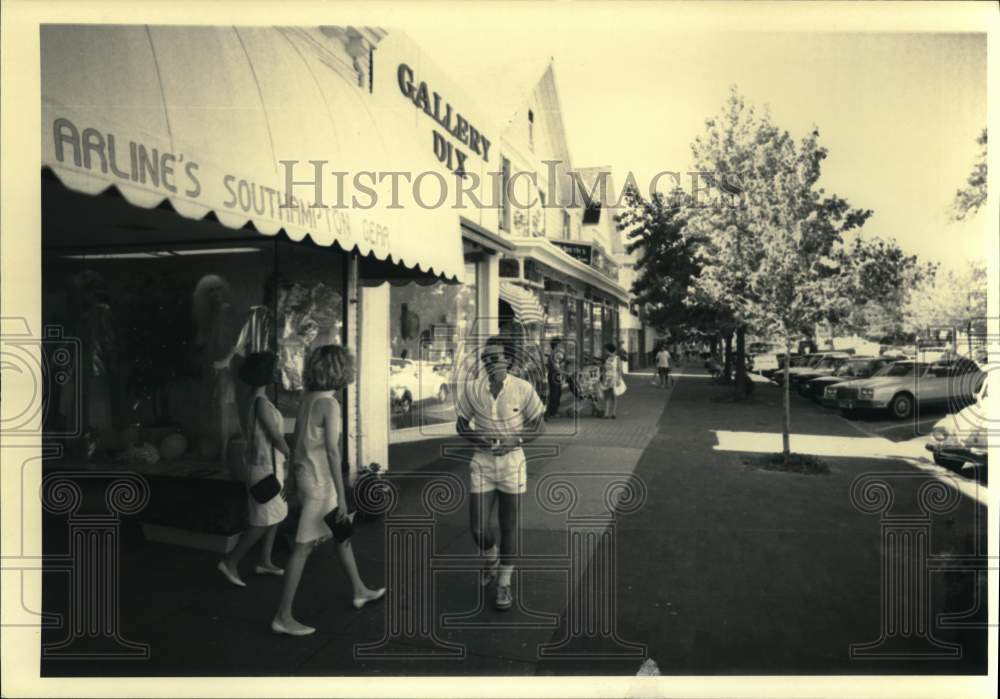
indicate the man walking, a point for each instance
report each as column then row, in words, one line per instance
column 498, row 413
column 663, row 366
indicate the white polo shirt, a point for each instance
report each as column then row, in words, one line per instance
column 505, row 415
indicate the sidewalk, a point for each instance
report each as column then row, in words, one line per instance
column 723, row 569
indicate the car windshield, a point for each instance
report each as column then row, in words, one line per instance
column 904, row 369
column 852, row 368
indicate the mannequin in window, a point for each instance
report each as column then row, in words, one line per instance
column 214, row 344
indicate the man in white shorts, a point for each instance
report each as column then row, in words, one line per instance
column 498, row 413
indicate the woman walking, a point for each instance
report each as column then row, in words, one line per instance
column 266, row 453
column 611, row 375
column 319, row 480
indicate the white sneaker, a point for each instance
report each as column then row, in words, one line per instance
column 489, row 573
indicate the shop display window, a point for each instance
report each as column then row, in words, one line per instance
column 428, row 326
column 162, row 332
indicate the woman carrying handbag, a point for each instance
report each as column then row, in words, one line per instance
column 612, row 381
column 265, row 457
column 320, row 483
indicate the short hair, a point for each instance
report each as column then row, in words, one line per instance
column 326, row 368
column 610, row 347
column 258, row 369
column 499, row 341
column 555, row 341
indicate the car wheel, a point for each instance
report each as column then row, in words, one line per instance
column 443, row 393
column 901, row 406
column 950, row 464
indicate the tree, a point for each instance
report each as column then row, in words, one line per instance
column 768, row 244
column 972, row 196
column 666, row 262
column 948, row 301
column 880, row 281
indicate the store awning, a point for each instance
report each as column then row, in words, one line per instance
column 544, row 251
column 524, row 302
column 202, row 116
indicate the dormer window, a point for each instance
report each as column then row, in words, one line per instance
column 531, row 130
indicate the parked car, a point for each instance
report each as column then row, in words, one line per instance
column 904, row 385
column 814, row 361
column 796, row 360
column 824, row 367
column 411, row 381
column 961, row 438
column 850, row 370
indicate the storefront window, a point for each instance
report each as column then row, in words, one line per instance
column 572, row 327
column 598, row 320
column 588, row 332
column 162, row 332
column 427, row 326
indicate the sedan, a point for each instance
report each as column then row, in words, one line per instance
column 961, row 439
column 904, row 385
column 852, row 369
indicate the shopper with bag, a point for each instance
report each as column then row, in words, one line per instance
column 320, row 482
column 264, row 459
column 612, row 381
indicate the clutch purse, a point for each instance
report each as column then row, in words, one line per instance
column 343, row 529
column 266, row 489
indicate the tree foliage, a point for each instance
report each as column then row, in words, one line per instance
column 666, row 263
column 880, row 280
column 767, row 245
column 972, row 196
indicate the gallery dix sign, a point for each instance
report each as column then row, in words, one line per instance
column 453, row 123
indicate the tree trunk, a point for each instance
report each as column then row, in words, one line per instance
column 727, row 369
column 787, row 426
column 741, row 362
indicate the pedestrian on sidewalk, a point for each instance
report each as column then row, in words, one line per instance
column 663, row 366
column 498, row 414
column 612, row 381
column 318, row 476
column 557, row 360
column 266, row 452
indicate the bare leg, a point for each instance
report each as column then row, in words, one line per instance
column 268, row 547
column 293, row 575
column 509, row 507
column 247, row 540
column 362, row 592
column 480, row 518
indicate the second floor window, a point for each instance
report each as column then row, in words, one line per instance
column 531, row 130
column 565, row 225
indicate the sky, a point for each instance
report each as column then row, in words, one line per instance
column 898, row 112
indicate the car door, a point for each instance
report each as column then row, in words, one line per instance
column 933, row 385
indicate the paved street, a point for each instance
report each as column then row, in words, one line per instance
column 715, row 568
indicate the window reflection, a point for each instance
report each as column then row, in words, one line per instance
column 427, row 328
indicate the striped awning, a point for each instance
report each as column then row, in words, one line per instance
column 524, row 302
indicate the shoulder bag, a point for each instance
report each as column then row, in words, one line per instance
column 266, row 489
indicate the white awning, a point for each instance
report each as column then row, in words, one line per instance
column 525, row 303
column 201, row 116
column 545, row 252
